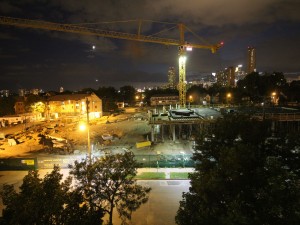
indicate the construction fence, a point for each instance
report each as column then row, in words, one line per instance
column 145, row 161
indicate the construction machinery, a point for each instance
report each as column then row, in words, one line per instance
column 183, row 46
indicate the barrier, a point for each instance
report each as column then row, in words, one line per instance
column 143, row 144
column 165, row 161
column 18, row 164
column 144, row 161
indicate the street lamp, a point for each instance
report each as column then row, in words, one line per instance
column 228, row 97
column 87, row 127
column 190, row 100
column 83, row 127
column 273, row 97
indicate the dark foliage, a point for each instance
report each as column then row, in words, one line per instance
column 46, row 201
column 244, row 175
column 108, row 184
column 7, row 105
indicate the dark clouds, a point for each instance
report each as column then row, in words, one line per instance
column 53, row 59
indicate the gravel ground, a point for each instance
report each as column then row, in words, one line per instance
column 126, row 129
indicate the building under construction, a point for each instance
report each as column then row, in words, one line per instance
column 186, row 124
column 180, row 124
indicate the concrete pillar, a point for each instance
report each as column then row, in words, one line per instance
column 152, row 132
column 273, row 128
column 200, row 128
column 173, row 132
column 179, row 131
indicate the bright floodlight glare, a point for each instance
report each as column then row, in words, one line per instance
column 189, row 48
column 182, row 59
column 94, row 47
column 82, row 127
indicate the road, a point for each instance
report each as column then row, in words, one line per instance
column 159, row 210
column 162, row 205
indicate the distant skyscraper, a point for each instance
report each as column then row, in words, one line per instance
column 239, row 73
column 251, row 60
column 226, row 78
column 231, row 76
column 4, row 93
column 23, row 92
column 171, row 78
column 34, row 91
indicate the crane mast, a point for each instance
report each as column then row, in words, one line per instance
column 70, row 28
column 181, row 70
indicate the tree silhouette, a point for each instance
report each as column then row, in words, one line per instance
column 46, row 201
column 108, row 183
column 243, row 176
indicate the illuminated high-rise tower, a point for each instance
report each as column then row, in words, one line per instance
column 226, row 78
column 171, row 78
column 251, row 60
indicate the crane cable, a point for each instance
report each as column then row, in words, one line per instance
column 197, row 36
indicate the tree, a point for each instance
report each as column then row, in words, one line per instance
column 109, row 183
column 107, row 93
column 197, row 92
column 35, row 103
column 7, row 105
column 157, row 92
column 109, row 96
column 243, row 176
column 127, row 94
column 293, row 91
column 38, row 107
column 260, row 87
column 46, row 201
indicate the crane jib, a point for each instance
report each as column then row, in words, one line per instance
column 70, row 28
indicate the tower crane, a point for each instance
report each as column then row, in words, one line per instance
column 183, row 46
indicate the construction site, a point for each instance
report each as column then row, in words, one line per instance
column 157, row 132
column 145, row 133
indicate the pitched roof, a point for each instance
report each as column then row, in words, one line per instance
column 75, row 97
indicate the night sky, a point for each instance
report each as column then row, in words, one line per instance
column 31, row 58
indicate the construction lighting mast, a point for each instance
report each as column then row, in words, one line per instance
column 71, row 28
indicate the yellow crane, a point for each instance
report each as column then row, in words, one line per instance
column 183, row 46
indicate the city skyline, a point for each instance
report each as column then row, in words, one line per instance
column 32, row 58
